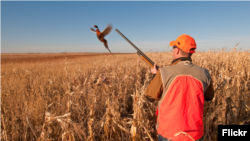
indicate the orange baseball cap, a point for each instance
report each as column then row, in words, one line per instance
column 184, row 42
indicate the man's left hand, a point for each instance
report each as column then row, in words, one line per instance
column 154, row 70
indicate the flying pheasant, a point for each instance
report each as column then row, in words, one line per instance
column 101, row 35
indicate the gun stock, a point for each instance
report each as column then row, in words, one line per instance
column 139, row 52
column 146, row 61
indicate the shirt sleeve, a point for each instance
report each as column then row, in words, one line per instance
column 155, row 88
column 209, row 93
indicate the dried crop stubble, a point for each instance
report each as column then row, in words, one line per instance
column 101, row 97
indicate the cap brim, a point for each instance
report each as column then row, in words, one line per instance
column 172, row 43
column 191, row 51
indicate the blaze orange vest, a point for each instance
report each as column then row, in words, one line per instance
column 180, row 108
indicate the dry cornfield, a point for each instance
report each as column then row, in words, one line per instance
column 101, row 97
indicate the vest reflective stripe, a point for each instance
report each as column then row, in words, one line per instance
column 182, row 109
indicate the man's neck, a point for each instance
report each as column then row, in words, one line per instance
column 181, row 59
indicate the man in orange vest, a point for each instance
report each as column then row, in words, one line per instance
column 181, row 90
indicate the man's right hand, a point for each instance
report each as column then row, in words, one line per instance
column 154, row 70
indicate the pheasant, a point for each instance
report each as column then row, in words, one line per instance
column 101, row 35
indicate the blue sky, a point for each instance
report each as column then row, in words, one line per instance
column 59, row 26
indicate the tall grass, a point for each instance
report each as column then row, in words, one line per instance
column 102, row 97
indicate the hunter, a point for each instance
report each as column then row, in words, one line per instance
column 181, row 90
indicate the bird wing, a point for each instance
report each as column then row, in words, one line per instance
column 107, row 30
column 92, row 30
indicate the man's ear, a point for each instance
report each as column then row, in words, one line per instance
column 177, row 51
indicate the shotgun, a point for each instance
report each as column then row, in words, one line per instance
column 139, row 52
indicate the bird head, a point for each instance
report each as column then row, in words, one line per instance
column 95, row 26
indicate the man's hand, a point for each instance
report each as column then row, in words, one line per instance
column 154, row 70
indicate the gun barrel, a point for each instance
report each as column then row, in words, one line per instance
column 128, row 40
column 138, row 50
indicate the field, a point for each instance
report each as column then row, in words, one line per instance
column 84, row 96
